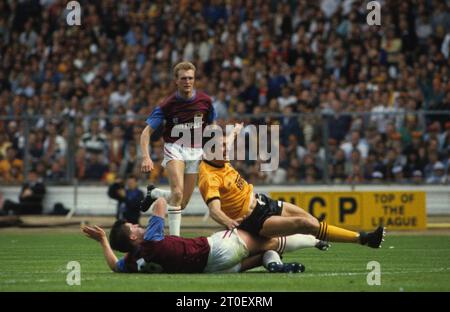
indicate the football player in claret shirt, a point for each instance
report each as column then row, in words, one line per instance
column 148, row 250
column 185, row 114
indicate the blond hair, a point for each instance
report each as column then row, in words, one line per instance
column 183, row 66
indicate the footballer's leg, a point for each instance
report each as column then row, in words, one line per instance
column 272, row 262
column 175, row 173
column 148, row 199
column 190, row 180
column 269, row 248
column 258, row 244
column 306, row 224
column 275, row 226
column 154, row 193
column 373, row 239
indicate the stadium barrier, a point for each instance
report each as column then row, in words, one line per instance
column 363, row 209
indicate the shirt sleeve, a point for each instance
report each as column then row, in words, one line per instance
column 156, row 118
column 209, row 188
column 212, row 115
column 155, row 229
column 120, row 266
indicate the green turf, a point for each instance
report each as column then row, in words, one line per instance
column 37, row 262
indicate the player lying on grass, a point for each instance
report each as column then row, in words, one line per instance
column 149, row 251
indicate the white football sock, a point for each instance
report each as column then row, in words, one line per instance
column 157, row 193
column 271, row 256
column 174, row 214
column 294, row 242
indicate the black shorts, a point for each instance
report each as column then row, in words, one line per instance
column 264, row 209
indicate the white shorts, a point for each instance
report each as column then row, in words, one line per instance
column 190, row 155
column 227, row 252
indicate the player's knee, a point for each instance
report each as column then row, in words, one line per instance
column 314, row 225
column 306, row 225
column 313, row 221
column 184, row 203
column 177, row 196
column 159, row 207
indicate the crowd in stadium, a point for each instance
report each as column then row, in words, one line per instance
column 86, row 90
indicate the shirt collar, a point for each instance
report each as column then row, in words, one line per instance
column 179, row 97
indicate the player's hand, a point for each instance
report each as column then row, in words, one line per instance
column 95, row 233
column 232, row 224
column 147, row 165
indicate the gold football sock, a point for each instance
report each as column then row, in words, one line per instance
column 336, row 234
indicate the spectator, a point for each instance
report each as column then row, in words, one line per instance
column 290, row 126
column 130, row 163
column 338, row 123
column 94, row 141
column 56, row 171
column 119, row 97
column 220, row 105
column 377, row 177
column 444, row 139
column 4, row 144
column 36, row 146
column 96, row 168
column 54, row 145
column 286, row 98
column 397, row 171
column 116, row 145
column 417, row 177
column 30, row 199
column 11, row 167
column 355, row 143
column 438, row 176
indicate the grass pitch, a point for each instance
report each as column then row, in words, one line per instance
column 37, row 262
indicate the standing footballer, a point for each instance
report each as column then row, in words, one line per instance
column 186, row 113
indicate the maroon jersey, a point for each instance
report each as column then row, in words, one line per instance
column 184, row 119
column 172, row 254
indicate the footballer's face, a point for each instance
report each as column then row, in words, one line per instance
column 185, row 82
column 218, row 153
column 135, row 230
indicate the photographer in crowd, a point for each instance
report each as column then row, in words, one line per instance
column 30, row 198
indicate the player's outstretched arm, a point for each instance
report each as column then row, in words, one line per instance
column 98, row 234
column 216, row 213
column 147, row 163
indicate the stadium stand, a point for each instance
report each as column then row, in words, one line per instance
column 355, row 103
